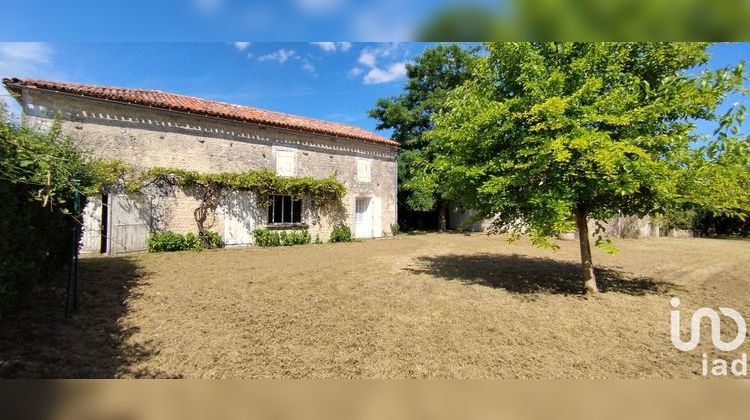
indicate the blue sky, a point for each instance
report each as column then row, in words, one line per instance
column 217, row 20
column 331, row 81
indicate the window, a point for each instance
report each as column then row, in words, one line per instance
column 364, row 170
column 285, row 162
column 284, row 209
column 361, row 205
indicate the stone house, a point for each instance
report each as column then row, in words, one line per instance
column 150, row 128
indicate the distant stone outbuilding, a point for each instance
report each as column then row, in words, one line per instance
column 149, row 128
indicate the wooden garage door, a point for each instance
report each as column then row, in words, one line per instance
column 128, row 224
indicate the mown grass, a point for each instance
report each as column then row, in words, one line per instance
column 434, row 305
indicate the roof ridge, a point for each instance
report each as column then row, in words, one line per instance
column 181, row 102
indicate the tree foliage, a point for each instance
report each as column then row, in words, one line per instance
column 690, row 20
column 545, row 131
column 42, row 175
column 432, row 76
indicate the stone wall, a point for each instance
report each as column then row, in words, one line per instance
column 146, row 137
column 465, row 220
column 624, row 226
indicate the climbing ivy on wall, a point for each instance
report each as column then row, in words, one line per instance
column 323, row 193
column 264, row 183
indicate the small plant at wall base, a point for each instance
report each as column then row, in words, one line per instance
column 395, row 229
column 210, row 239
column 341, row 233
column 269, row 238
column 168, row 241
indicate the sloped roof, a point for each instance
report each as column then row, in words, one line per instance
column 191, row 104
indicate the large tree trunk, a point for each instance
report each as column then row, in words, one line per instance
column 589, row 279
column 442, row 215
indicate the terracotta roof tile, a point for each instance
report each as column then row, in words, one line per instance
column 172, row 101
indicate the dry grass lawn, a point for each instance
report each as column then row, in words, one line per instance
column 432, row 305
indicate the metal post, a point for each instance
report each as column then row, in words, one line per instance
column 72, row 286
column 71, row 270
column 77, row 236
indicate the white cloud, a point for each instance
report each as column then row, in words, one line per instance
column 24, row 54
column 356, row 71
column 242, row 46
column 369, row 58
column 308, row 66
column 333, row 46
column 23, row 59
column 325, row 46
column 370, row 55
column 281, row 56
column 393, row 72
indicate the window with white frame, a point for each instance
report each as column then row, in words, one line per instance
column 285, row 163
column 284, row 209
column 364, row 170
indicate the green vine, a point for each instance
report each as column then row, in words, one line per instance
column 264, row 183
column 323, row 193
column 327, row 193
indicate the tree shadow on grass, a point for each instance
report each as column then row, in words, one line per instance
column 531, row 275
column 38, row 342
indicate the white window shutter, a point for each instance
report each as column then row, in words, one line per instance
column 285, row 162
column 364, row 170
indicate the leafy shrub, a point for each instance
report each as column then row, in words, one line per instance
column 168, row 241
column 341, row 233
column 267, row 238
column 679, row 218
column 262, row 237
column 295, row 237
column 708, row 224
column 395, row 229
column 38, row 206
column 283, row 239
column 210, row 239
column 192, row 242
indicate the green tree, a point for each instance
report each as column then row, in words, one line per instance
column 548, row 136
column 42, row 176
column 434, row 73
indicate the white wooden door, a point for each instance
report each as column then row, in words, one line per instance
column 128, row 224
column 91, row 239
column 362, row 218
column 239, row 210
